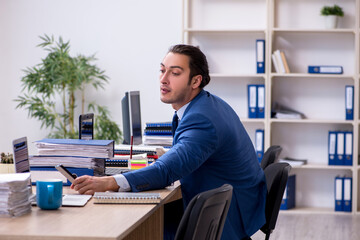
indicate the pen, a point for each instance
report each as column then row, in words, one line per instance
column 131, row 146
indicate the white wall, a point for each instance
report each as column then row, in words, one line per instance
column 129, row 37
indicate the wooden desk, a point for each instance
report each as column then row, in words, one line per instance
column 94, row 221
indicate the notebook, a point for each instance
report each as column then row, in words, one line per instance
column 126, row 197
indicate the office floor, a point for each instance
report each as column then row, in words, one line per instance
column 314, row 227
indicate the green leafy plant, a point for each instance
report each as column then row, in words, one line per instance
column 334, row 10
column 7, row 158
column 61, row 76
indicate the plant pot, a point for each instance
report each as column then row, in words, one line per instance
column 7, row 168
column 331, row 21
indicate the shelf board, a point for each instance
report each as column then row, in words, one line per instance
column 323, row 166
column 236, row 75
column 326, row 121
column 252, row 120
column 214, row 30
column 307, row 75
column 310, row 30
column 315, row 210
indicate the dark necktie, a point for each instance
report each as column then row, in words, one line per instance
column 175, row 123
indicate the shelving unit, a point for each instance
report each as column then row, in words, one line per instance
column 296, row 28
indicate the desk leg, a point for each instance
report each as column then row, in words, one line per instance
column 151, row 229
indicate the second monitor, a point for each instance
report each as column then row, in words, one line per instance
column 131, row 115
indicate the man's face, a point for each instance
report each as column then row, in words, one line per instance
column 174, row 80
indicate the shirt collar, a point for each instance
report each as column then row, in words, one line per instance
column 180, row 112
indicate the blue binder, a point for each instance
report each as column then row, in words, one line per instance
column 349, row 102
column 288, row 200
column 260, row 101
column 348, row 160
column 339, row 199
column 332, row 147
column 325, row 69
column 252, row 100
column 347, row 195
column 260, row 56
column 259, row 144
column 340, row 147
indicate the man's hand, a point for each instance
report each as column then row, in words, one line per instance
column 89, row 184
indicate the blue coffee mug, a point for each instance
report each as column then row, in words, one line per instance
column 49, row 193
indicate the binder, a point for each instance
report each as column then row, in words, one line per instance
column 347, row 194
column 259, row 144
column 340, row 146
column 332, row 147
column 325, row 69
column 348, row 159
column 275, row 63
column 126, row 197
column 260, row 101
column 349, row 102
column 283, row 59
column 281, row 65
column 252, row 101
column 339, row 194
column 288, row 200
column 260, row 56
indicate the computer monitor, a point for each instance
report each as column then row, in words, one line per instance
column 131, row 115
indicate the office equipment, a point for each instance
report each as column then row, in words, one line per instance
column 260, row 56
column 76, row 147
column 339, row 194
column 289, row 197
column 347, row 195
column 260, row 101
column 276, row 175
column 69, row 176
column 126, row 197
column 252, row 101
column 131, row 115
column 349, row 102
column 205, row 215
column 348, row 159
column 86, row 126
column 270, row 156
column 325, row 69
column 332, row 147
column 75, row 200
column 259, row 144
column 14, row 194
column 340, row 146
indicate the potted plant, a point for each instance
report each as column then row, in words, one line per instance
column 62, row 77
column 331, row 13
column 7, row 163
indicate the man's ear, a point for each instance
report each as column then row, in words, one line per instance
column 196, row 81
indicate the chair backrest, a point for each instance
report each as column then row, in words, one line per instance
column 270, row 156
column 276, row 176
column 205, row 216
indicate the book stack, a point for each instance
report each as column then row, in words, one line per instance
column 158, row 134
column 14, row 194
column 280, row 62
column 80, row 157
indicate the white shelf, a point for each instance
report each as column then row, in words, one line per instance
column 200, row 30
column 307, row 75
column 234, row 75
column 309, row 30
column 309, row 210
column 323, row 167
column 311, row 121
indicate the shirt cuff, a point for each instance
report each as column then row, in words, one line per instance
column 122, row 182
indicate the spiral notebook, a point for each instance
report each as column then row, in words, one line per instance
column 126, row 197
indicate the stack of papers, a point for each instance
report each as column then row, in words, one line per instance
column 293, row 161
column 282, row 112
column 158, row 140
column 14, row 194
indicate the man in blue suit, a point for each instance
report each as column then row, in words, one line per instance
column 210, row 148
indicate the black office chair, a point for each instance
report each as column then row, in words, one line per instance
column 204, row 217
column 270, row 156
column 276, row 176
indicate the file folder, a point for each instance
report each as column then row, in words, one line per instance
column 252, row 101
column 332, row 147
column 340, row 145
column 325, row 69
column 338, row 194
column 348, row 149
column 349, row 102
column 260, row 56
column 260, row 101
column 259, row 144
column 347, row 194
column 288, row 200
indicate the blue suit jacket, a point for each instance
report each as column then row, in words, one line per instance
column 211, row 148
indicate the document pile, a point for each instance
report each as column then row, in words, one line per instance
column 282, row 112
column 14, row 194
column 158, row 133
column 293, row 161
